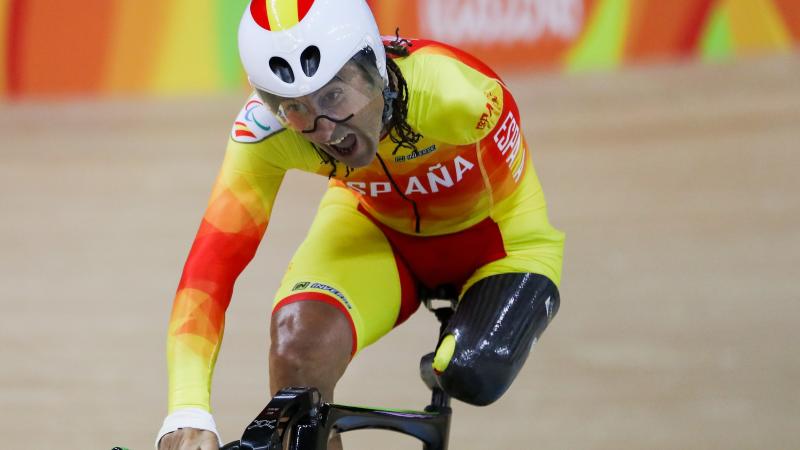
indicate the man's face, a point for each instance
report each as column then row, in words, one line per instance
column 344, row 118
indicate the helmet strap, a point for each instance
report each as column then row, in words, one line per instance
column 389, row 96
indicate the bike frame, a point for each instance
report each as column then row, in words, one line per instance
column 309, row 424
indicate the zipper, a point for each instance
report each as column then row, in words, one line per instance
column 400, row 192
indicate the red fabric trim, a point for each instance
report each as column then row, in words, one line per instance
column 457, row 53
column 302, row 8
column 324, row 298
column 409, row 298
column 15, row 44
column 446, row 259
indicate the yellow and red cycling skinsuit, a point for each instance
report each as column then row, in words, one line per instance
column 465, row 205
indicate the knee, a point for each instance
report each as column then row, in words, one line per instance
column 471, row 375
column 304, row 337
column 291, row 349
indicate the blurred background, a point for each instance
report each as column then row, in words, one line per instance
column 666, row 135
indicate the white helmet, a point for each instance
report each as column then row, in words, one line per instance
column 292, row 48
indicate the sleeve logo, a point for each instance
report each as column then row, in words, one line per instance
column 254, row 123
column 492, row 105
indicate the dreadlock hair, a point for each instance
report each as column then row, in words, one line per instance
column 400, row 132
column 325, row 158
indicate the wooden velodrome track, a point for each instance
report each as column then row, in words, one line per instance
column 678, row 187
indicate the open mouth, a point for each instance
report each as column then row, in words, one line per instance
column 346, row 145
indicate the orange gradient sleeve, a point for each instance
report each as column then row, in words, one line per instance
column 232, row 227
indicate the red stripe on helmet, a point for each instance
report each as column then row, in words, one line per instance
column 258, row 9
column 302, row 8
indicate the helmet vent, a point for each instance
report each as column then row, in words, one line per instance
column 309, row 60
column 281, row 68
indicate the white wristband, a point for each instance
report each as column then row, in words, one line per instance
column 188, row 418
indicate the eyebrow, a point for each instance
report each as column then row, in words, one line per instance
column 335, row 78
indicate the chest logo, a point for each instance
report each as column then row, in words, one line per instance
column 415, row 154
column 437, row 178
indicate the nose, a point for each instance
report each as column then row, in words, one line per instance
column 323, row 130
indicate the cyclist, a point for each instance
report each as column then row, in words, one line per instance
column 431, row 183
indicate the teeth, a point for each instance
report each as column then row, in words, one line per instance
column 337, row 142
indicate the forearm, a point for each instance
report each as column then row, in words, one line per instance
column 192, row 346
column 197, row 323
column 198, row 314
